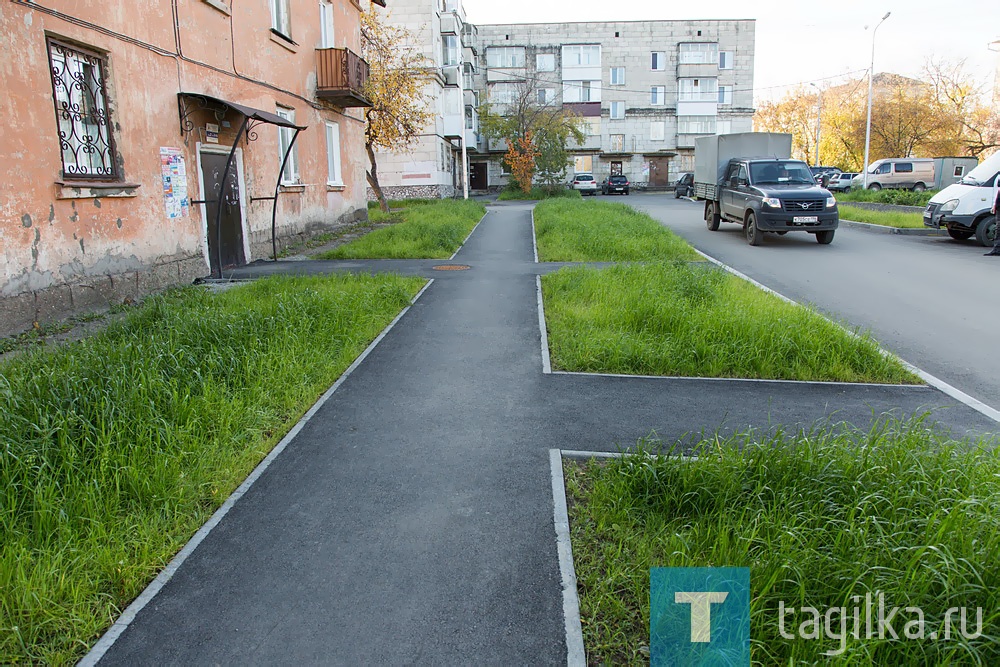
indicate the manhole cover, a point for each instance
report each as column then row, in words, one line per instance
column 451, row 267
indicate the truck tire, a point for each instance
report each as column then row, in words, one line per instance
column 825, row 237
column 752, row 231
column 986, row 230
column 712, row 218
column 874, row 186
column 959, row 235
column 919, row 187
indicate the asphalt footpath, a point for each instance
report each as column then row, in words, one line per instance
column 410, row 521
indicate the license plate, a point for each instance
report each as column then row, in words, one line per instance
column 805, row 218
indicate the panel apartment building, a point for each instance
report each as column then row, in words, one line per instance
column 147, row 144
column 645, row 89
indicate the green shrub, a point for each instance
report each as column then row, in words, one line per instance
column 886, row 196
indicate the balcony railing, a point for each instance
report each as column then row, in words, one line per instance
column 341, row 76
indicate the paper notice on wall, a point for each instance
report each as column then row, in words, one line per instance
column 174, row 175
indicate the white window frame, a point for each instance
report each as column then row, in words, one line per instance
column 725, row 59
column 617, row 110
column 723, row 126
column 695, row 53
column 657, row 61
column 541, row 58
column 581, row 55
column 451, row 51
column 505, row 57
column 616, row 143
column 725, row 95
column 698, row 89
column 583, row 164
column 502, row 93
column 657, row 96
column 617, row 80
column 657, row 130
column 334, row 175
column 546, row 95
column 281, row 17
column 290, row 176
column 326, row 27
column 593, row 126
column 696, row 124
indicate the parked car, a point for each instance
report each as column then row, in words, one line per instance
column 915, row 174
column 840, row 182
column 585, row 183
column 684, row 184
column 618, row 184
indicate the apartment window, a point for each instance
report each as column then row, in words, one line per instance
column 290, row 176
column 470, row 118
column 280, row 21
column 581, row 91
column 502, row 93
column 546, row 95
column 697, row 90
column 81, row 104
column 583, row 164
column 545, row 62
column 723, row 126
column 617, row 143
column 581, row 55
column 725, row 94
column 617, row 76
column 658, row 61
column 325, row 25
column 696, row 124
column 617, row 110
column 505, row 56
column 451, row 50
column 592, row 126
column 657, row 130
column 657, row 95
column 699, row 52
column 725, row 59
column 333, row 174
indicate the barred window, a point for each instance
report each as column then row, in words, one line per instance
column 80, row 95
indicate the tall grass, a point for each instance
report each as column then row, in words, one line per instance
column 431, row 230
column 895, row 196
column 694, row 320
column 884, row 218
column 819, row 517
column 578, row 231
column 118, row 447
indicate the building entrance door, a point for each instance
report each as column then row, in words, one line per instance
column 477, row 176
column 659, row 171
column 231, row 223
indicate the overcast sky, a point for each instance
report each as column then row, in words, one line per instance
column 803, row 41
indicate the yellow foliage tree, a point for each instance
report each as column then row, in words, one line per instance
column 396, row 78
column 520, row 159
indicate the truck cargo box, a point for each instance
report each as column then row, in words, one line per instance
column 713, row 153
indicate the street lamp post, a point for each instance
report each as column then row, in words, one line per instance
column 868, row 124
column 819, row 117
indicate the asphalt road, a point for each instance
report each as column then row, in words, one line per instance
column 931, row 300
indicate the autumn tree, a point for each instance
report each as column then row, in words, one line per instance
column 535, row 126
column 396, row 79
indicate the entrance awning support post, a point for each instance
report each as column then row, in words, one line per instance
column 277, row 187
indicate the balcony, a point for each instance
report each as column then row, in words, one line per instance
column 450, row 24
column 341, row 76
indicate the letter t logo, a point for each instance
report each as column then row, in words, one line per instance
column 701, row 611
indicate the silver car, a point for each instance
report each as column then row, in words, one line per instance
column 585, row 183
column 840, row 182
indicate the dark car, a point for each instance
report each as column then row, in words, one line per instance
column 618, row 184
column 684, row 185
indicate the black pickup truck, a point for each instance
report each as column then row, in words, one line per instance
column 770, row 195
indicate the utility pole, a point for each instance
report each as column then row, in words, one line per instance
column 868, row 125
column 819, row 117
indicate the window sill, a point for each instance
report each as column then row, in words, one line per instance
column 220, row 5
column 292, row 187
column 94, row 190
column 335, row 187
column 284, row 41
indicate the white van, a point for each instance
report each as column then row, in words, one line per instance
column 916, row 173
column 964, row 208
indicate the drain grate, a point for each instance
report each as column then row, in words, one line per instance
column 451, row 267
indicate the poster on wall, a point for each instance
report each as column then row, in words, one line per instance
column 174, row 174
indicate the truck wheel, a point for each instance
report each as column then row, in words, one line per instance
column 712, row 218
column 919, row 187
column 874, row 186
column 986, row 230
column 677, row 193
column 825, row 237
column 959, row 235
column 753, row 233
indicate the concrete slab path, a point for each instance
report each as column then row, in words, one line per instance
column 410, row 521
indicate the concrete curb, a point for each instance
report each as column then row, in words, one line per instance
column 576, row 655
column 882, row 229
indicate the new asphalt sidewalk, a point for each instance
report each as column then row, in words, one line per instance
column 410, row 520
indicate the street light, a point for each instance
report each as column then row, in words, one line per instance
column 868, row 125
column 819, row 117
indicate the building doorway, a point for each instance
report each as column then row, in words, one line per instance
column 616, row 168
column 659, row 171
column 477, row 176
column 228, row 242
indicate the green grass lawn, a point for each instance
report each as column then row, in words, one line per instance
column 819, row 518
column 429, row 230
column 890, row 196
column 884, row 218
column 539, row 193
column 695, row 320
column 119, row 447
column 592, row 231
